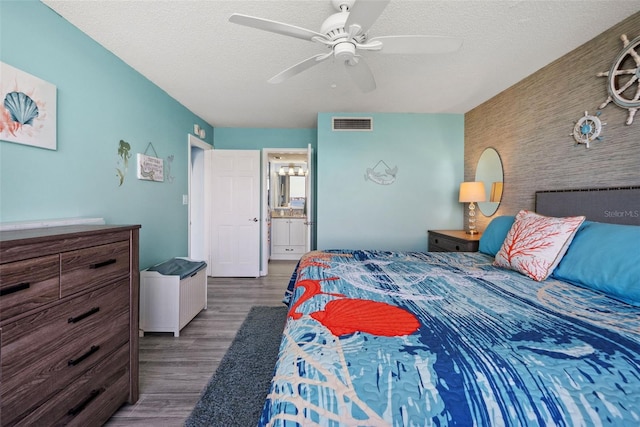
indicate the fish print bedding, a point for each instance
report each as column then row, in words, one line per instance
column 379, row 338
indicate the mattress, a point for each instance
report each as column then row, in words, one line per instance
column 378, row 338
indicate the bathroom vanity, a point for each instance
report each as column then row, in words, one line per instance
column 288, row 237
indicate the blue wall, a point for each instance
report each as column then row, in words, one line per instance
column 428, row 150
column 100, row 100
column 258, row 138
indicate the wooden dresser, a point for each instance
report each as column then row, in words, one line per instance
column 68, row 324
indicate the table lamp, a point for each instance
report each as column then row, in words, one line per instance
column 471, row 192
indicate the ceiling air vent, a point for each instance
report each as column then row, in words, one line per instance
column 352, row 123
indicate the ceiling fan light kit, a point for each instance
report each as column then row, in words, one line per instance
column 345, row 33
column 345, row 51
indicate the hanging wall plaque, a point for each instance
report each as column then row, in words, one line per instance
column 150, row 168
column 381, row 174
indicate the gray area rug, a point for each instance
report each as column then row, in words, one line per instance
column 236, row 393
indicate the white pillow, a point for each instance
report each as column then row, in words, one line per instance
column 535, row 244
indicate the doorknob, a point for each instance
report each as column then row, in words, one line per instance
column 254, row 220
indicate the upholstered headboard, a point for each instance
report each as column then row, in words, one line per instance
column 619, row 205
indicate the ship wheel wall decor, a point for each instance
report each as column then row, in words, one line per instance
column 587, row 129
column 623, row 79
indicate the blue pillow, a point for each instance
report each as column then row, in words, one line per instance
column 495, row 233
column 604, row 257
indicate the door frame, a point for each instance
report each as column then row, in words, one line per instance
column 264, row 259
column 197, row 185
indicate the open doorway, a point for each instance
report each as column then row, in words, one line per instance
column 287, row 204
column 198, row 242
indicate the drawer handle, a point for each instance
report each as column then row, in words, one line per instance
column 103, row 263
column 76, row 319
column 78, row 408
column 457, row 248
column 15, row 288
column 74, row 362
column 436, row 241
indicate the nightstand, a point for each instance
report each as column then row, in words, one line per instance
column 453, row 241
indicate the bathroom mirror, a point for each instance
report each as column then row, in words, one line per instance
column 287, row 188
column 489, row 171
column 290, row 191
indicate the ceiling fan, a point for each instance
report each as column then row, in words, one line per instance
column 345, row 33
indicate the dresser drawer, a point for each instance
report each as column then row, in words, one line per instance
column 48, row 350
column 440, row 242
column 28, row 284
column 87, row 268
column 91, row 399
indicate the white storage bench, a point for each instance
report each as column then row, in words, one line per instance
column 172, row 295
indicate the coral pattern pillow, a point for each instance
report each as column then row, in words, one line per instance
column 535, row 243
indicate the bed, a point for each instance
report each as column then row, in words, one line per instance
column 376, row 338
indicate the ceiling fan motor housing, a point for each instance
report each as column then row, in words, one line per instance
column 333, row 27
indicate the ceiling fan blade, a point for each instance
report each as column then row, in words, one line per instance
column 299, row 67
column 275, row 27
column 364, row 13
column 361, row 74
column 417, row 44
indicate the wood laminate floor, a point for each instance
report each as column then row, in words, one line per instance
column 174, row 370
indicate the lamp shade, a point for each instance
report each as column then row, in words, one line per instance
column 472, row 192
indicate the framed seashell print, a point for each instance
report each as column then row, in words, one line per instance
column 27, row 109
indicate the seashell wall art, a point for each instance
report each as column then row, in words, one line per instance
column 27, row 109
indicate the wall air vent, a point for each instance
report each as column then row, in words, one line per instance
column 352, row 123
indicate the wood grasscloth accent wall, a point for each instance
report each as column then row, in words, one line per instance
column 530, row 123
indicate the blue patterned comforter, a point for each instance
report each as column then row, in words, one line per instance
column 413, row 339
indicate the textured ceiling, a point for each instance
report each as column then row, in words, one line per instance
column 219, row 70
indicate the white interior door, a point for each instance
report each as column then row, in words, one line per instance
column 235, row 217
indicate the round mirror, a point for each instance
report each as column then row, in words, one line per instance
column 489, row 171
